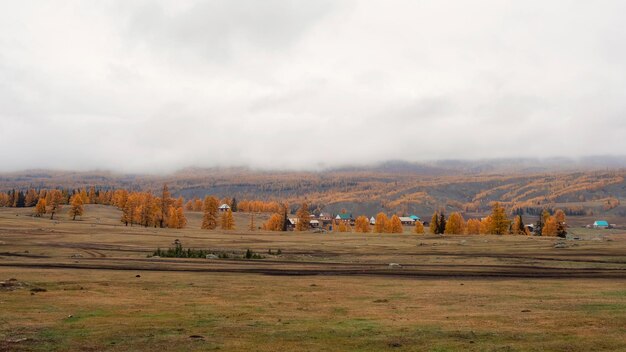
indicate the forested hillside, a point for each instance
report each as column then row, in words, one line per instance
column 365, row 191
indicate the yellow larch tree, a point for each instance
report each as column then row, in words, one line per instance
column 179, row 202
column 486, row 225
column 130, row 213
column 274, row 223
column 182, row 219
column 473, row 227
column 40, row 208
column 455, row 224
column 381, row 222
column 304, row 218
column 228, row 221
column 419, row 228
column 209, row 218
column 499, row 222
column 92, row 195
column 172, row 218
column 550, row 227
column 518, row 227
column 31, row 198
column 76, row 207
column 84, row 196
column 362, row 224
column 434, row 223
column 197, row 204
column 166, row 202
column 56, row 198
column 395, row 225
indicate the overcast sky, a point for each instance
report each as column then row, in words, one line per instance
column 153, row 86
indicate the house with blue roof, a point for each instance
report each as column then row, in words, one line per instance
column 601, row 224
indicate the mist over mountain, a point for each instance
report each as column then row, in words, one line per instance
column 592, row 185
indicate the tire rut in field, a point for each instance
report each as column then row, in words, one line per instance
column 469, row 272
column 331, row 264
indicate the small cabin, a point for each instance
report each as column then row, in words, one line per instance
column 406, row 220
column 345, row 217
column 224, row 207
column 372, row 221
column 314, row 223
column 601, row 224
column 325, row 217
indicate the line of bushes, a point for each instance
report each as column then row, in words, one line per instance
column 179, row 252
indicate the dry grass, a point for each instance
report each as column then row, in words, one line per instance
column 446, row 297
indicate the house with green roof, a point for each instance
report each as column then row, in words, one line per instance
column 345, row 217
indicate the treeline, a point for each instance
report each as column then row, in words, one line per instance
column 536, row 211
column 257, row 206
column 145, row 209
column 30, row 197
column 498, row 223
column 138, row 208
column 49, row 201
column 384, row 224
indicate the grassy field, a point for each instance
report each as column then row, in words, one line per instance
column 324, row 292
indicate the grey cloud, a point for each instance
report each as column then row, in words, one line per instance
column 214, row 29
column 160, row 85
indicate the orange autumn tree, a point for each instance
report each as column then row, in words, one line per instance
column 381, row 222
column 179, row 202
column 182, row 219
column 434, row 226
column 56, row 199
column 561, row 227
column 419, row 228
column 455, row 224
column 147, row 210
column 31, row 198
column 499, row 221
column 197, row 204
column 395, row 225
column 40, row 208
column 130, row 212
column 228, row 221
column 172, row 218
column 485, row 225
column 274, row 223
column 473, row 227
column 165, row 203
column 518, row 227
column 303, row 218
column 362, row 224
column 76, row 207
column 209, row 218
column 549, row 227
column 84, row 196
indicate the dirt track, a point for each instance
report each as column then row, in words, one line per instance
column 291, row 268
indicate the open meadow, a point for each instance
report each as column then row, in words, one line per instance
column 91, row 285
